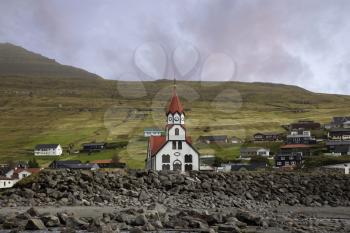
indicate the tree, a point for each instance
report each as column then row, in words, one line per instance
column 33, row 163
column 115, row 159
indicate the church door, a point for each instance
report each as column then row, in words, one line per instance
column 177, row 166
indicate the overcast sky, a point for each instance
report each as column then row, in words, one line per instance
column 306, row 43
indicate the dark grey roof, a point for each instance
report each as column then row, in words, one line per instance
column 247, row 166
column 337, row 143
column 340, row 120
column 339, row 130
column 214, row 138
column 81, row 166
column 94, row 144
column 64, row 162
column 269, row 133
column 46, row 146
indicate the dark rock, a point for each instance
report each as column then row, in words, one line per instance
column 249, row 218
column 33, row 212
column 35, row 224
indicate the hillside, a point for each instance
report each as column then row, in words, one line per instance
column 17, row 61
column 75, row 109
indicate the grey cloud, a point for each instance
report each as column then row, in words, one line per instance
column 295, row 42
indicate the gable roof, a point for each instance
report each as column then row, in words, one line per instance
column 340, row 120
column 46, row 146
column 175, row 104
column 291, row 146
column 156, row 143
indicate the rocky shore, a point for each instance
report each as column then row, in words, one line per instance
column 195, row 202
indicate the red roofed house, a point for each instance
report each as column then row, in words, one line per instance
column 174, row 150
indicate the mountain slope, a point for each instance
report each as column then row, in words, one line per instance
column 17, row 61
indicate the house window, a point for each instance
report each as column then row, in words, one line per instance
column 174, row 145
column 188, row 158
column 180, row 145
column 188, row 167
column 165, row 158
column 293, row 163
column 286, row 163
column 279, row 163
column 177, row 131
column 166, row 167
column 282, row 158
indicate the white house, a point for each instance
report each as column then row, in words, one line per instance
column 48, row 150
column 341, row 166
column 174, row 150
column 16, row 174
column 148, row 132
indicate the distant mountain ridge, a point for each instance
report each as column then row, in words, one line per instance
column 17, row 61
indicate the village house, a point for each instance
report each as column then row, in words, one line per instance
column 338, row 147
column 109, row 163
column 304, row 149
column 338, row 122
column 340, row 134
column 346, row 125
column 174, row 150
column 207, row 162
column 48, row 150
column 305, row 124
column 248, row 152
column 289, row 160
column 260, row 137
column 252, row 166
column 16, row 174
column 148, row 132
column 300, row 137
column 94, row 147
column 236, row 140
column 342, row 167
column 73, row 164
column 219, row 139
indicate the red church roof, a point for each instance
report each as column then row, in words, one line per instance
column 175, row 104
column 157, row 142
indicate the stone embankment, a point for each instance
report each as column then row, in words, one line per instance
column 206, row 202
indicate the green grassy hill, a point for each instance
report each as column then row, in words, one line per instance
column 52, row 103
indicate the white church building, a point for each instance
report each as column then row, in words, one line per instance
column 174, row 150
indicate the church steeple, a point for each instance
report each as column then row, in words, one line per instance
column 175, row 112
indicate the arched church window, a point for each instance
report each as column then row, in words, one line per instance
column 188, row 158
column 180, row 145
column 166, row 167
column 177, row 131
column 177, row 165
column 174, row 145
column 165, row 158
column 188, row 167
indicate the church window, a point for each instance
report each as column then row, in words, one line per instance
column 177, row 131
column 177, row 166
column 180, row 145
column 188, row 158
column 174, row 145
column 165, row 158
column 166, row 167
column 188, row 167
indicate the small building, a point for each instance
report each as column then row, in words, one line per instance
column 236, row 140
column 207, row 162
column 289, row 160
column 6, row 182
column 73, row 164
column 253, row 166
column 148, row 132
column 305, row 124
column 219, row 139
column 338, row 122
column 260, row 137
column 59, row 164
column 94, row 147
column 340, row 134
column 109, row 163
column 338, row 147
column 343, row 167
column 346, row 125
column 304, row 149
column 248, row 152
column 48, row 150
column 300, row 137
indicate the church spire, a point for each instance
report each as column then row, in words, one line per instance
column 175, row 104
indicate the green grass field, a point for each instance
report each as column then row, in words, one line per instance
column 48, row 116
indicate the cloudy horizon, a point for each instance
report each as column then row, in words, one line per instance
column 304, row 43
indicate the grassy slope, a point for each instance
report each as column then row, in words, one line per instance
column 37, row 109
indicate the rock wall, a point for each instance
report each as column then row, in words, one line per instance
column 196, row 190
